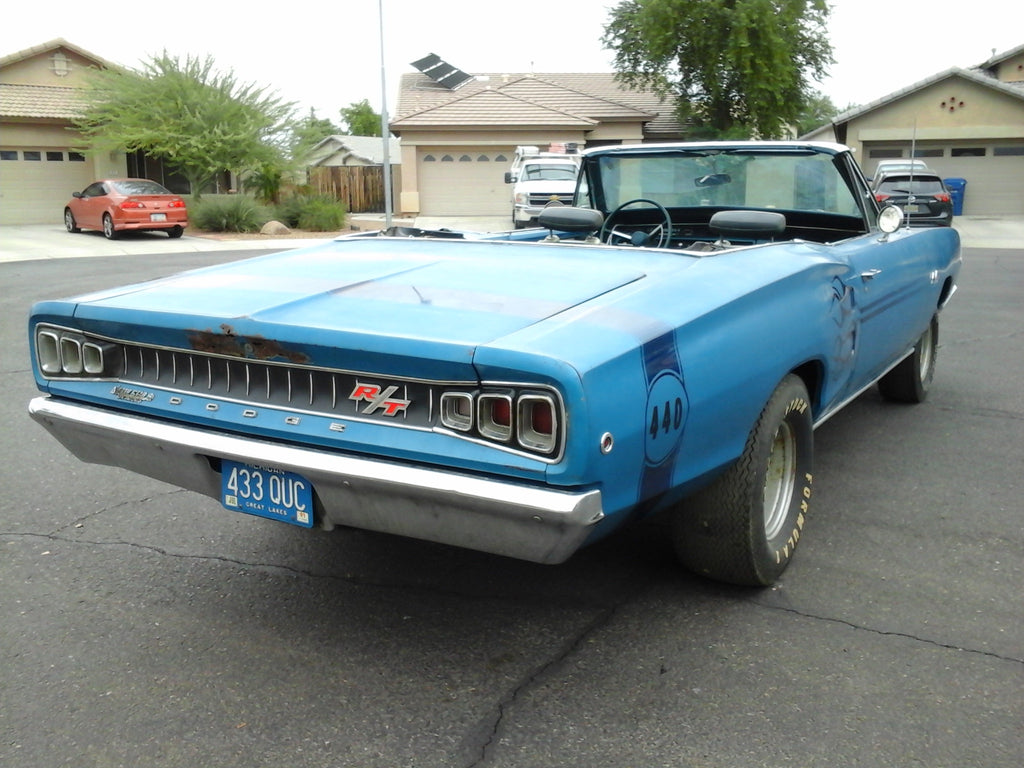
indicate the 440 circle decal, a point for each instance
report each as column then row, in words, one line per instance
column 666, row 415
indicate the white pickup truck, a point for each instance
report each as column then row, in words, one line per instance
column 539, row 178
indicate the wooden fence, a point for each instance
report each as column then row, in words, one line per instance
column 359, row 187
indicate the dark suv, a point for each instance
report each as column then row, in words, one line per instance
column 922, row 196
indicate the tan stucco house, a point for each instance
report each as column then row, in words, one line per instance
column 41, row 162
column 457, row 142
column 964, row 123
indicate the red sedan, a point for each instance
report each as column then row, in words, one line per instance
column 116, row 205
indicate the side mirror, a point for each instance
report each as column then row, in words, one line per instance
column 889, row 219
column 509, row 178
column 79, row 195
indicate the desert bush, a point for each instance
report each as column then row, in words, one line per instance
column 228, row 213
column 316, row 213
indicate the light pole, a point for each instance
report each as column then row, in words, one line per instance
column 384, row 120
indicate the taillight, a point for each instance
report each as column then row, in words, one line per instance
column 128, row 205
column 530, row 420
column 942, row 197
column 176, row 203
column 494, row 418
column 537, row 423
column 67, row 353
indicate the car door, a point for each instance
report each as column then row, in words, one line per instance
column 890, row 279
column 94, row 201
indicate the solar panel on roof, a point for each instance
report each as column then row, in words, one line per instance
column 440, row 71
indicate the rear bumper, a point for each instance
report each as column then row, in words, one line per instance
column 491, row 515
column 132, row 224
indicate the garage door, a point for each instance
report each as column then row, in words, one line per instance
column 994, row 171
column 464, row 182
column 995, row 182
column 36, row 183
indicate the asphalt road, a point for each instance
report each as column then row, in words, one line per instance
column 141, row 625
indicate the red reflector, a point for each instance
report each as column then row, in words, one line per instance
column 501, row 413
column 880, row 196
column 543, row 419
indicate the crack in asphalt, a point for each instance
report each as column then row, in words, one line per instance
column 569, row 648
column 889, row 633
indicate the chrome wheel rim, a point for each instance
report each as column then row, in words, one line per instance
column 780, row 480
column 926, row 352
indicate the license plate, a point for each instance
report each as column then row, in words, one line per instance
column 267, row 492
column 158, row 217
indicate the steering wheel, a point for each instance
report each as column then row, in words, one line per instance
column 641, row 236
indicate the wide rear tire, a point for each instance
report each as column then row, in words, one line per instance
column 743, row 528
column 910, row 381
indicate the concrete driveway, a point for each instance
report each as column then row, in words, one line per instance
column 51, row 241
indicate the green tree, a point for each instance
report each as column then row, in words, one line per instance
column 360, row 119
column 818, row 110
column 736, row 68
column 197, row 120
column 308, row 132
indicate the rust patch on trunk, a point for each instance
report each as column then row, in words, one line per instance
column 228, row 343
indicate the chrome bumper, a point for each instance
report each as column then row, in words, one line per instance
column 499, row 516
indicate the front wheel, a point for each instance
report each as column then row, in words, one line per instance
column 910, row 381
column 743, row 528
column 108, row 228
column 69, row 222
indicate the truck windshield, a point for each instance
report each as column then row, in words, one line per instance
column 548, row 173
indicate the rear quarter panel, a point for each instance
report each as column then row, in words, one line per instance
column 717, row 335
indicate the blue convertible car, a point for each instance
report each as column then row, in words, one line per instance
column 665, row 345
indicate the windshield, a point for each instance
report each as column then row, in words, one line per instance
column 549, row 173
column 802, row 180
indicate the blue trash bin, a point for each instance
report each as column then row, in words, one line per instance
column 957, row 188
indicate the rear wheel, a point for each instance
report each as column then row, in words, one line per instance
column 69, row 222
column 910, row 381
column 108, row 228
column 744, row 527
column 175, row 231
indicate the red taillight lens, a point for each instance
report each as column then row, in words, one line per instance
column 176, row 203
column 942, row 197
column 129, row 205
column 495, row 417
column 501, row 413
column 538, row 423
column 542, row 419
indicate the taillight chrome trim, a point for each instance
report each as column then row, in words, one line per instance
column 527, row 434
column 490, row 427
column 62, row 353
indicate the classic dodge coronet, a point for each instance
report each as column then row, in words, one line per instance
column 666, row 344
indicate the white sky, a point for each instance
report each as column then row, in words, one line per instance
column 327, row 55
